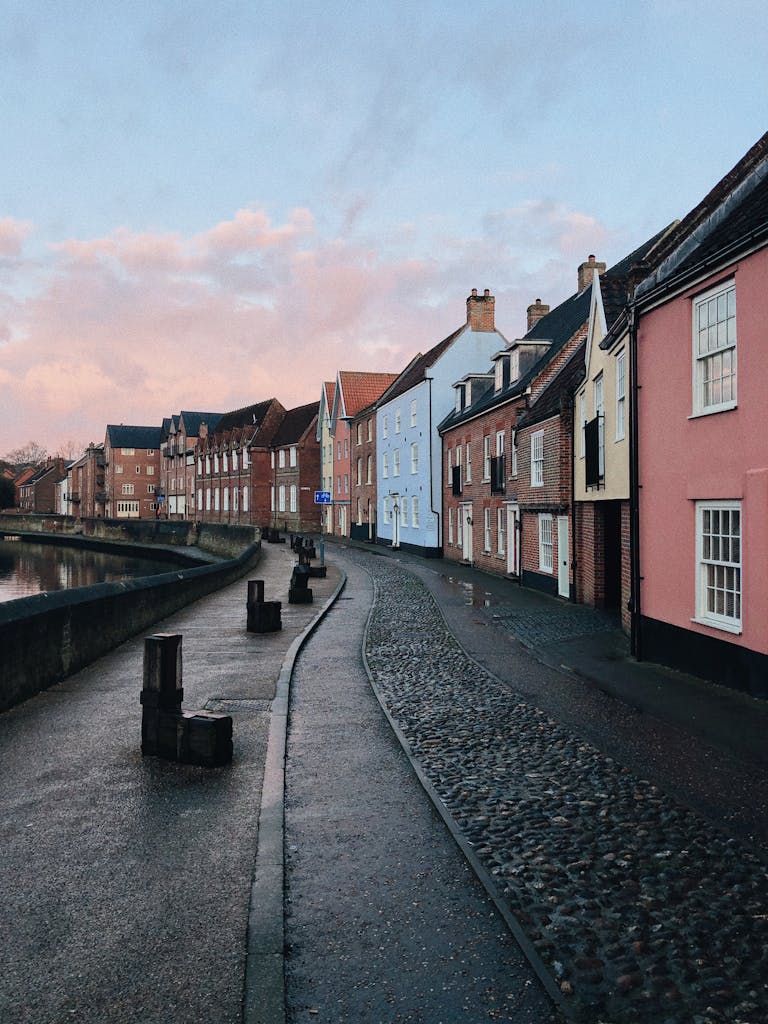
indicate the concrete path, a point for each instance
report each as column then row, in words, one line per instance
column 384, row 920
column 125, row 881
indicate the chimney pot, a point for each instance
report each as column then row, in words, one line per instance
column 586, row 272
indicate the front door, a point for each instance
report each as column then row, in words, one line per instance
column 563, row 582
column 513, row 541
column 466, row 537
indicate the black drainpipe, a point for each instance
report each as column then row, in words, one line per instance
column 573, row 493
column 634, row 491
column 431, row 464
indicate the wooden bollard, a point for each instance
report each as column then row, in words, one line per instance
column 192, row 737
column 262, row 616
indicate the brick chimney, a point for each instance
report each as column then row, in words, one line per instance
column 535, row 312
column 586, row 272
column 480, row 311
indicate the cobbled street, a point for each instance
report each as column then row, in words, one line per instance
column 641, row 909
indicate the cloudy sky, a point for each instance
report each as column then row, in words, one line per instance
column 206, row 204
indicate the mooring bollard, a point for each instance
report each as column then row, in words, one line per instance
column 262, row 616
column 191, row 737
column 299, row 591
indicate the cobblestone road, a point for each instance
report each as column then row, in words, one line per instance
column 642, row 910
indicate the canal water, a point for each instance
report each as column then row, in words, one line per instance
column 28, row 568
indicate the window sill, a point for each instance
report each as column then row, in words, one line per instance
column 726, row 407
column 726, row 627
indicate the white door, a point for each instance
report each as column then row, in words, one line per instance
column 466, row 535
column 563, row 583
column 513, row 541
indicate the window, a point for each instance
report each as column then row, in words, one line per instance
column 487, row 457
column 292, row 455
column 118, row 469
column 359, row 471
column 346, row 447
column 128, row 451
column 583, row 423
column 245, row 459
column 272, row 459
column 415, row 511
column 281, row 498
column 216, row 499
column 468, row 463
column 621, row 394
column 486, row 530
column 368, row 469
column 272, row 497
column 216, row 463
column 385, row 426
column 150, row 470
column 208, row 499
column 413, row 412
column 397, row 421
column 414, row 458
column 499, row 442
column 498, row 374
column 385, row 513
column 338, row 483
column 346, row 483
column 292, row 506
column 501, row 515
column 151, row 451
column 200, row 465
column 138, row 469
column 714, row 350
column 385, row 465
column 208, row 464
column 245, row 498
column 234, row 460
column 537, row 459
column 396, row 462
column 127, row 489
column 200, row 499
column 600, row 416
column 513, row 451
column 450, row 526
column 225, row 459
column 150, row 488
column 281, row 459
column 236, row 499
column 359, row 433
column 226, row 499
column 449, row 467
column 403, row 511
column 545, row 542
column 459, row 454
column 370, row 430
column 460, row 526
column 718, row 548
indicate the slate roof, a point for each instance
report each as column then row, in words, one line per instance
column 614, row 283
column 557, row 326
column 295, row 424
column 558, row 392
column 192, row 421
column 121, row 436
column 416, row 370
column 361, row 389
column 250, row 415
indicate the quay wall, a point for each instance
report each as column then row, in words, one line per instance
column 46, row 637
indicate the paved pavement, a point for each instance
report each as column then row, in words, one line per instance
column 127, row 885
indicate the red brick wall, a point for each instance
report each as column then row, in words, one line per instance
column 364, row 492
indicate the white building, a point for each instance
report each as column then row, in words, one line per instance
column 408, row 448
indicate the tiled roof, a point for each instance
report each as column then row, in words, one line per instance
column 330, row 389
column 250, row 415
column 360, row 389
column 295, row 424
column 121, row 436
column 416, row 370
column 192, row 421
column 558, row 392
column 748, row 218
column 614, row 283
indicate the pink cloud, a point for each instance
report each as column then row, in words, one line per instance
column 12, row 235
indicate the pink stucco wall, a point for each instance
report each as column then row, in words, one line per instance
column 720, row 456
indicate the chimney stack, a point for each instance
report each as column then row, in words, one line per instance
column 535, row 312
column 586, row 272
column 480, row 311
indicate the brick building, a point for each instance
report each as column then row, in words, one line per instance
column 131, row 471
column 295, row 467
column 38, row 492
column 86, row 494
column 325, row 440
column 178, row 463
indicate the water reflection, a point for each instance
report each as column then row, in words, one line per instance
column 474, row 595
column 27, row 568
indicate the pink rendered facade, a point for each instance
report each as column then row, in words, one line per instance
column 693, row 467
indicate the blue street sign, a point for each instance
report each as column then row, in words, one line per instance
column 322, row 497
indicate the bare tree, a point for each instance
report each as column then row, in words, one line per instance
column 31, row 453
column 71, row 449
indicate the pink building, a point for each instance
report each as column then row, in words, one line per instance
column 700, row 486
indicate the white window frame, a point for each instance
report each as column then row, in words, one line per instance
column 216, row 499
column 385, row 510
column 546, row 543
column 621, row 395
column 245, row 498
column 714, row 345
column 450, row 526
column 599, row 402
column 370, row 430
column 226, row 499
column 719, row 561
column 281, row 458
column 281, row 498
column 415, row 512
column 414, row 458
column 359, row 470
column 413, row 412
column 368, row 469
column 397, row 421
column 200, row 499
column 537, row 458
column 272, row 497
column 487, row 530
column 486, row 457
column 403, row 509
column 501, row 518
column 292, row 455
column 513, row 451
column 385, row 426
column 396, row 462
column 359, row 433
column 582, row 424
column 292, row 499
column 385, row 465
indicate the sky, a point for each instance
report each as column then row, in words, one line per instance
column 204, row 205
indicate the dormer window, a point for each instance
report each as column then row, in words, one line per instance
column 460, row 395
column 514, row 366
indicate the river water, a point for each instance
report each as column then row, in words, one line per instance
column 28, row 568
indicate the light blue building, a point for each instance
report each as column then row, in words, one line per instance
column 409, row 464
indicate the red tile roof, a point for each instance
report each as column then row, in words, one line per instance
column 360, row 389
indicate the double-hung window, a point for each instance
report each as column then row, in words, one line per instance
column 545, row 542
column 487, row 457
column 714, row 350
column 413, row 412
column 396, row 462
column 718, row 554
column 385, row 465
column 501, row 515
column 621, row 394
column 537, row 459
column 468, row 463
column 414, row 458
column 600, row 414
column 415, row 511
column 486, row 529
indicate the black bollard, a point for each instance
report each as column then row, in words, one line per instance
column 299, row 591
column 262, row 616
